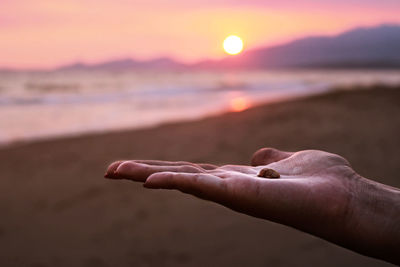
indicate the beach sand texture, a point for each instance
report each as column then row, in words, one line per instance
column 57, row 210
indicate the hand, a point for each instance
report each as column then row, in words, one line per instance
column 308, row 193
column 317, row 192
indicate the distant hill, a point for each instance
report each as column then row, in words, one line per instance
column 377, row 47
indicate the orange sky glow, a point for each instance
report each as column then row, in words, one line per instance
column 48, row 33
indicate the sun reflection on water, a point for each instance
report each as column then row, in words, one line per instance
column 239, row 103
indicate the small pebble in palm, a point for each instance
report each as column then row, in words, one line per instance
column 269, row 173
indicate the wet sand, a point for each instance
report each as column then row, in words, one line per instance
column 57, row 210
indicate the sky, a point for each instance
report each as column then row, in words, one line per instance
column 50, row 33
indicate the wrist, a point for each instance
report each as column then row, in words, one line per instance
column 373, row 220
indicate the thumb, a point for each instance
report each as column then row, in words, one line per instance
column 266, row 156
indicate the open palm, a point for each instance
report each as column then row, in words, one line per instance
column 312, row 189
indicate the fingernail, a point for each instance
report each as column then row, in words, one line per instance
column 111, row 170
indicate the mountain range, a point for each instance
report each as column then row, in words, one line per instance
column 374, row 47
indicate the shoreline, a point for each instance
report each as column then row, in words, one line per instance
column 273, row 101
column 88, row 133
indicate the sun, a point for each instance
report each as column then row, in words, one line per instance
column 233, row 45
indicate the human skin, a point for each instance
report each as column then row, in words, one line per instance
column 317, row 192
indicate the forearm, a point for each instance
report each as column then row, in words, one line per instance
column 373, row 220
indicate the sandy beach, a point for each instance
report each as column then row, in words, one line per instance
column 57, row 210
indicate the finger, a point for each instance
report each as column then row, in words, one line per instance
column 205, row 166
column 202, row 185
column 111, row 169
column 238, row 195
column 139, row 171
column 279, row 198
column 266, row 156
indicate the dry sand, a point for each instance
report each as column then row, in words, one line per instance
column 57, row 210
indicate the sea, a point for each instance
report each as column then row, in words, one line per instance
column 38, row 105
